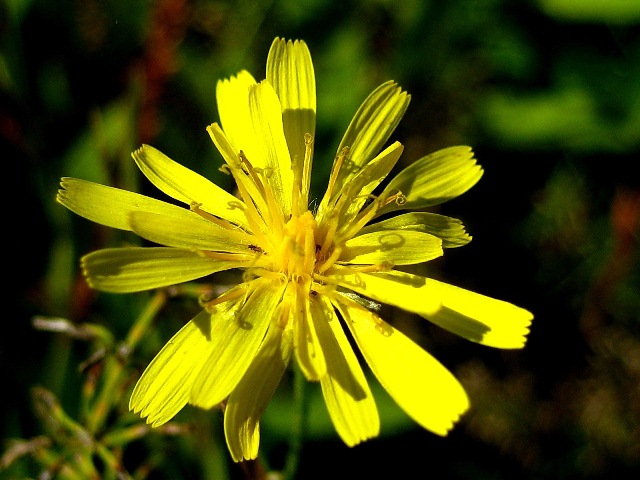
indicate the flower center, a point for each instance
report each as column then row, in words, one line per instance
column 296, row 256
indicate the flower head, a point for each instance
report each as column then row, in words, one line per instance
column 306, row 272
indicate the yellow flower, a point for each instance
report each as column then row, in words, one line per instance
column 307, row 274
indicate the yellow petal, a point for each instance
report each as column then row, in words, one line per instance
column 134, row 269
column 399, row 247
column 230, row 156
column 345, row 389
column 187, row 186
column 249, row 399
column 465, row 312
column 236, row 339
column 418, row 383
column 164, row 387
column 450, row 230
column 434, row 179
column 186, row 229
column 372, row 125
column 290, row 72
column 232, row 96
column 266, row 147
column 307, row 316
column 476, row 317
column 106, row 205
column 222, row 143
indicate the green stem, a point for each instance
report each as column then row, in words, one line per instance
column 114, row 367
column 55, row 463
column 113, row 469
column 298, row 425
column 141, row 325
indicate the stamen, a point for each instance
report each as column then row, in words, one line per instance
column 255, row 272
column 324, row 280
column 225, row 297
column 329, row 262
column 309, row 254
column 247, row 169
column 263, row 188
column 328, row 238
column 264, row 172
column 296, row 253
column 360, row 221
column 234, row 257
column 252, row 212
column 377, row 268
column 324, row 289
column 302, row 178
column 306, row 168
column 254, row 218
column 195, row 207
column 346, row 196
column 296, row 192
column 399, row 199
column 368, row 213
column 335, row 170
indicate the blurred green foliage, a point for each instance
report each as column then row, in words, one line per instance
column 548, row 94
